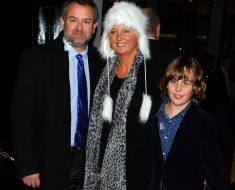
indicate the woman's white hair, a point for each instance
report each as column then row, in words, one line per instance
column 131, row 16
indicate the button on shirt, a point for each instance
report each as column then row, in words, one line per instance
column 73, row 62
column 168, row 127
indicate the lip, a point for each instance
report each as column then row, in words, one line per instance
column 121, row 44
column 78, row 34
column 177, row 96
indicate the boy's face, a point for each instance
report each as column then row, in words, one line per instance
column 180, row 91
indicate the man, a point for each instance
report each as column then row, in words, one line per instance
column 219, row 100
column 46, row 127
column 161, row 54
column 154, row 24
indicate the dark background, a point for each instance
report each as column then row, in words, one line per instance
column 185, row 24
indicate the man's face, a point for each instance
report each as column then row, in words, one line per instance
column 78, row 25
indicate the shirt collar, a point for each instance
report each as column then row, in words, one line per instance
column 72, row 51
column 161, row 109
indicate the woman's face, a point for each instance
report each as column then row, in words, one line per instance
column 123, row 40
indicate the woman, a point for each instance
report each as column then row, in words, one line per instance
column 116, row 146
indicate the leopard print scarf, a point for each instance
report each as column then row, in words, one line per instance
column 112, row 175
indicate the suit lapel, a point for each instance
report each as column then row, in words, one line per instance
column 91, row 70
column 60, row 73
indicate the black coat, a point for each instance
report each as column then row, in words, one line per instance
column 137, row 134
column 41, row 115
column 193, row 157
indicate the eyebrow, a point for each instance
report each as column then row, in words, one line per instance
column 90, row 19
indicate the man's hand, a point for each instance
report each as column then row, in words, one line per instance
column 32, row 180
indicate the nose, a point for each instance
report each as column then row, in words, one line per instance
column 79, row 26
column 178, row 86
column 119, row 36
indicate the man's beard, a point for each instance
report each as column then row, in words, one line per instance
column 78, row 45
column 72, row 41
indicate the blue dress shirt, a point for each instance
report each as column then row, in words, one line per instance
column 168, row 127
column 74, row 83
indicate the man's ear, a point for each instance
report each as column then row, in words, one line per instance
column 94, row 27
column 158, row 31
column 62, row 22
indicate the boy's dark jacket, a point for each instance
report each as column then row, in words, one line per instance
column 193, row 157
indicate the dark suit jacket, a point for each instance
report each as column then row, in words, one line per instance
column 193, row 157
column 41, row 115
